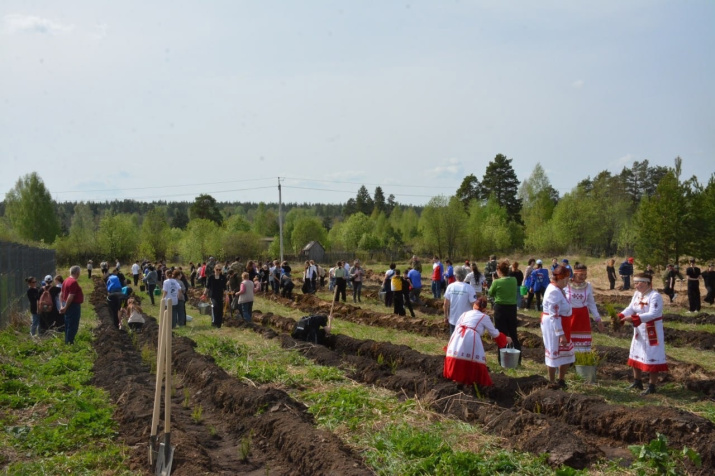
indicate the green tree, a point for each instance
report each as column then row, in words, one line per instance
column 379, row 200
column 489, row 229
column 469, row 190
column 354, row 228
column 205, row 207
column 500, row 182
column 363, row 201
column 117, row 236
column 539, row 199
column 31, row 211
column 434, row 235
column 661, row 223
column 236, row 223
column 201, row 240
column 180, row 220
column 240, row 243
column 154, row 234
column 265, row 221
column 308, row 229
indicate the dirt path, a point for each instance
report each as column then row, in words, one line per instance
column 275, row 433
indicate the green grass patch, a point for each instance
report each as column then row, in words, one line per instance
column 54, row 421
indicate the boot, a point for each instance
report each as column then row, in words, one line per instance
column 636, row 385
column 649, row 390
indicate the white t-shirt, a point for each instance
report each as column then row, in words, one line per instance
column 135, row 268
column 172, row 289
column 461, row 296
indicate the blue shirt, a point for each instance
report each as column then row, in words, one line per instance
column 415, row 278
column 113, row 284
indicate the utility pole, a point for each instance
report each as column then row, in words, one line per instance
column 280, row 217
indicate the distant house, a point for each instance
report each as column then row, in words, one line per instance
column 313, row 250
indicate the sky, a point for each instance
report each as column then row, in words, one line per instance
column 168, row 100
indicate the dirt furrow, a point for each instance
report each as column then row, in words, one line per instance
column 219, row 425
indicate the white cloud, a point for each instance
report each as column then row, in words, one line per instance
column 578, row 84
column 453, row 168
column 17, row 23
column 625, row 160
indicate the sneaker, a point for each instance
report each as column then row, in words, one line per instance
column 649, row 390
column 636, row 385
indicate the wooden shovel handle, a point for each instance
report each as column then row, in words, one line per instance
column 167, row 353
column 159, row 370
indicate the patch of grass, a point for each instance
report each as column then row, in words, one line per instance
column 55, row 422
column 710, row 328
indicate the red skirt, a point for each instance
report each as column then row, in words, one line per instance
column 580, row 329
column 466, row 372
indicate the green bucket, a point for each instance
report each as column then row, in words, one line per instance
column 523, row 290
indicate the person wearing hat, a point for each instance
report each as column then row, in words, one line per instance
column 709, row 280
column 626, row 271
column 693, row 273
column 647, row 352
column 555, row 328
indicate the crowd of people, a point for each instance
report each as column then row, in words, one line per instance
column 560, row 292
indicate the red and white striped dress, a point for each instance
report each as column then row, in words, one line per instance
column 465, row 361
column 582, row 303
column 648, row 344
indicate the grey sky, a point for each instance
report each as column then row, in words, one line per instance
column 166, row 100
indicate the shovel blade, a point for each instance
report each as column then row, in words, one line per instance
column 153, row 452
column 164, row 460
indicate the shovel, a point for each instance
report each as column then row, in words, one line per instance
column 153, row 455
column 166, row 451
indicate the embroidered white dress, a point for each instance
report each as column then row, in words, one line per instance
column 582, row 303
column 648, row 344
column 554, row 324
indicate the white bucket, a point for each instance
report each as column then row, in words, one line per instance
column 509, row 357
column 587, row 372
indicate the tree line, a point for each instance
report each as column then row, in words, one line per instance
column 649, row 212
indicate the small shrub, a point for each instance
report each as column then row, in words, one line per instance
column 196, row 414
column 656, row 455
column 588, row 358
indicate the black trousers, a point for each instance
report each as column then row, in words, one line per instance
column 505, row 322
column 399, row 305
column 408, row 303
column 216, row 312
column 150, row 289
column 710, row 296
column 136, row 279
column 115, row 302
column 694, row 294
column 341, row 285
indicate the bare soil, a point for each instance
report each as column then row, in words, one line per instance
column 279, row 432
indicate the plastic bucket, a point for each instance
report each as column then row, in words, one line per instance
column 509, row 357
column 587, row 372
column 523, row 290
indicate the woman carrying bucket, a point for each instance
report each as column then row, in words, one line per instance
column 503, row 290
column 580, row 294
column 466, row 362
column 555, row 328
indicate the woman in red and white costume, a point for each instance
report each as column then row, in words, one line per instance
column 466, row 361
column 556, row 327
column 580, row 294
column 648, row 344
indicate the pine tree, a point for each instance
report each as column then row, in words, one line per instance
column 500, row 182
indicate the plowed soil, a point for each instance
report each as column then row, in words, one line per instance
column 573, row 429
column 280, row 434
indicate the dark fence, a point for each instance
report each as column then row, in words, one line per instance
column 17, row 262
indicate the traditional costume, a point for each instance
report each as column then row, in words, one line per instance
column 582, row 303
column 648, row 344
column 466, row 361
column 555, row 322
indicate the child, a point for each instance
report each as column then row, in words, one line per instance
column 133, row 314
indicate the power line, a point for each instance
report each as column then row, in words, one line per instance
column 165, row 186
